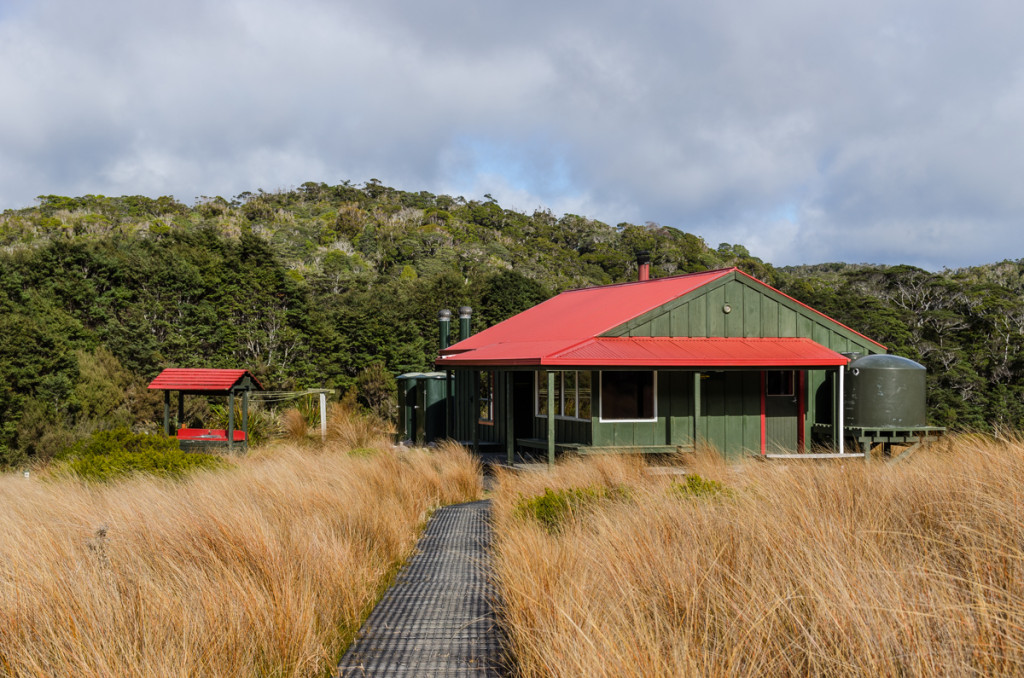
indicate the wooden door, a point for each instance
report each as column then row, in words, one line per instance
column 781, row 411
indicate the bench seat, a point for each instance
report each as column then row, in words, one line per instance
column 208, row 435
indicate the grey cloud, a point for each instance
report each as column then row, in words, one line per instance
column 875, row 131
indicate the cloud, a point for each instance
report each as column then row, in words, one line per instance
column 878, row 131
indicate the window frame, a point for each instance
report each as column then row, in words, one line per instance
column 789, row 381
column 488, row 399
column 654, row 398
column 560, row 390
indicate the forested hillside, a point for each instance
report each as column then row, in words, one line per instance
column 339, row 286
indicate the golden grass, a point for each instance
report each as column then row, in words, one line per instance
column 262, row 570
column 293, row 424
column 840, row 570
column 356, row 429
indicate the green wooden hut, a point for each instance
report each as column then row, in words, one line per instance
column 655, row 366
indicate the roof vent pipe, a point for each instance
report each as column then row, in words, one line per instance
column 465, row 313
column 643, row 264
column 444, row 326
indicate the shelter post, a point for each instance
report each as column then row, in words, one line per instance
column 474, row 419
column 551, row 417
column 245, row 419
column 181, row 409
column 839, row 410
column 167, row 413
column 323, row 417
column 696, row 409
column 510, row 429
column 449, row 406
column 231, row 420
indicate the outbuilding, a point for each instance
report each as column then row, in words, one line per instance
column 227, row 383
column 654, row 366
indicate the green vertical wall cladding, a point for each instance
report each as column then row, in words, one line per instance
column 465, row 415
column 730, row 412
column 754, row 311
column 674, row 425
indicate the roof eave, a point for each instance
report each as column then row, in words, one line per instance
column 647, row 364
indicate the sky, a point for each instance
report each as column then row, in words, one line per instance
column 877, row 131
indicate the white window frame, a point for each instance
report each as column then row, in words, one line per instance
column 561, row 394
column 654, row 386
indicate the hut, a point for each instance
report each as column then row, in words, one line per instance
column 654, row 366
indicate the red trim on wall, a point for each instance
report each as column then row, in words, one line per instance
column 764, row 418
column 802, row 411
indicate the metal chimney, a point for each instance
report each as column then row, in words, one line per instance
column 444, row 326
column 465, row 313
column 643, row 264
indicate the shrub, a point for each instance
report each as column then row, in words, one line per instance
column 377, row 391
column 695, row 486
column 553, row 507
column 109, row 454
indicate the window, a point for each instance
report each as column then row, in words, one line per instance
column 628, row 396
column 583, row 395
column 486, row 391
column 572, row 394
column 778, row 383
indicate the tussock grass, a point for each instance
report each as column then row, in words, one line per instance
column 352, row 428
column 915, row 569
column 293, row 424
column 261, row 570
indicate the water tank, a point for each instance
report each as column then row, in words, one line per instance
column 422, row 413
column 884, row 391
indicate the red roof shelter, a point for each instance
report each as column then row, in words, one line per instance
column 716, row 356
column 200, row 381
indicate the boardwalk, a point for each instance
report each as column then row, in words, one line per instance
column 437, row 619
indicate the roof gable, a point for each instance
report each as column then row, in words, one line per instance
column 739, row 305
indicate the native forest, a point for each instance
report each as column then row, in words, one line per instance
column 339, row 287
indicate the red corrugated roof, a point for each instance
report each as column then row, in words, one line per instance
column 567, row 328
column 576, row 315
column 200, row 379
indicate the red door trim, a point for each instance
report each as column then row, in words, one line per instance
column 764, row 418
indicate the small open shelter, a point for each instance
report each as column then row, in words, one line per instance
column 207, row 382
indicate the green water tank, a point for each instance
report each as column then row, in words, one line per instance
column 422, row 412
column 884, row 391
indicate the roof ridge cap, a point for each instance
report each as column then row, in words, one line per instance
column 651, row 280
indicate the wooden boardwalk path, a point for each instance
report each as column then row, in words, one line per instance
column 437, row 619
